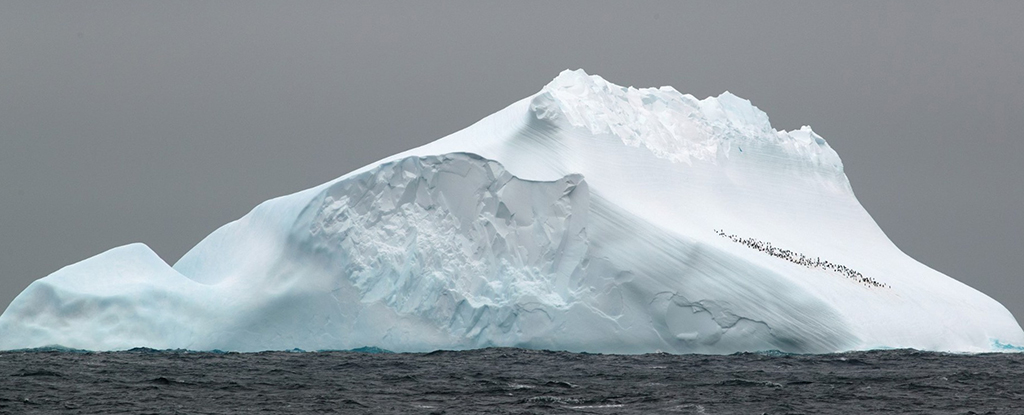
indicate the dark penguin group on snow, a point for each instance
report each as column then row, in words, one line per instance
column 801, row 259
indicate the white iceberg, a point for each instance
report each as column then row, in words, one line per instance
column 587, row 217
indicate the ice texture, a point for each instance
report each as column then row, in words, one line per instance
column 587, row 217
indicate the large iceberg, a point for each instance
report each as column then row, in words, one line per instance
column 587, row 217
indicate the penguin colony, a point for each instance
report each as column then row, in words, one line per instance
column 801, row 259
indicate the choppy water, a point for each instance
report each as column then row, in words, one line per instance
column 509, row 381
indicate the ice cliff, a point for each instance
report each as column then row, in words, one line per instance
column 587, row 217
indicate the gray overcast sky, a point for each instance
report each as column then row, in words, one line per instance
column 160, row 121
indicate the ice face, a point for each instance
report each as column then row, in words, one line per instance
column 585, row 217
column 119, row 299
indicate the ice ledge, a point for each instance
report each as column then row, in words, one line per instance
column 672, row 125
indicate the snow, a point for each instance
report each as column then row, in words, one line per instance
column 585, row 218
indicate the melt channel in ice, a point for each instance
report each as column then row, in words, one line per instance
column 587, row 217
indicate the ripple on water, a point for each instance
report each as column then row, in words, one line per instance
column 506, row 380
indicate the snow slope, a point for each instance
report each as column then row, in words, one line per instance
column 585, row 218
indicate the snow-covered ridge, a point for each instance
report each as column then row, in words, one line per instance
column 672, row 125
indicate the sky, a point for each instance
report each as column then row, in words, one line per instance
column 157, row 122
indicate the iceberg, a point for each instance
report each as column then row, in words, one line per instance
column 586, row 217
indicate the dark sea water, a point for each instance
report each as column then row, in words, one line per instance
column 511, row 381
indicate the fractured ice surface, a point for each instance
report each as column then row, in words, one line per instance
column 581, row 218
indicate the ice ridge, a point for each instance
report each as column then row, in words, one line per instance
column 672, row 125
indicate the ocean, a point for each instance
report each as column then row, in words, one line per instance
column 508, row 381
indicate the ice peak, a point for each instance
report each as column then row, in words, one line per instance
column 672, row 125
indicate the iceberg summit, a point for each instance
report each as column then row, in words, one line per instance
column 587, row 217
